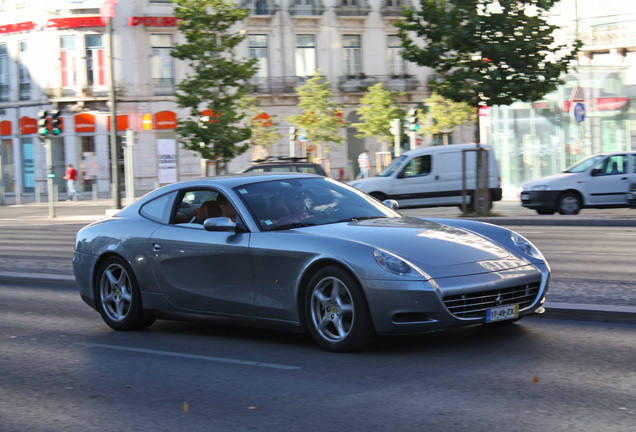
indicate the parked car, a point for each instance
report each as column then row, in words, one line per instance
column 433, row 176
column 600, row 180
column 284, row 164
column 305, row 253
column 631, row 196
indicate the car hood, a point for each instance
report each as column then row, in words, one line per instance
column 439, row 250
column 555, row 181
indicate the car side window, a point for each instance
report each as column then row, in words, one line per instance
column 158, row 208
column 418, row 166
column 187, row 212
column 615, row 164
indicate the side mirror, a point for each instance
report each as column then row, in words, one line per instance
column 392, row 204
column 219, row 224
column 596, row 172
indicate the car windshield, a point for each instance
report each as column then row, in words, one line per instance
column 585, row 164
column 393, row 167
column 301, row 202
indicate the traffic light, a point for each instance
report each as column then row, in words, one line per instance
column 51, row 172
column 43, row 123
column 412, row 120
column 293, row 133
column 56, row 122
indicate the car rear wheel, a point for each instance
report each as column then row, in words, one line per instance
column 118, row 296
column 569, row 204
column 336, row 311
column 545, row 211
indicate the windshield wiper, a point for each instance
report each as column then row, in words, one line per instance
column 291, row 225
column 357, row 219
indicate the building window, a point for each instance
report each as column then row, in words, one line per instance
column 258, row 50
column 397, row 65
column 305, row 55
column 95, row 74
column 4, row 72
column 23, row 72
column 69, row 61
column 352, row 55
column 161, row 64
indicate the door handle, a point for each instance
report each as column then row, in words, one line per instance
column 156, row 247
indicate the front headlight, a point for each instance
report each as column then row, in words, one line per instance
column 541, row 188
column 394, row 264
column 526, row 246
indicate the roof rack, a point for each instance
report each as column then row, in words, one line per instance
column 282, row 158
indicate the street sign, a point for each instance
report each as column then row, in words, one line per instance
column 107, row 11
column 577, row 111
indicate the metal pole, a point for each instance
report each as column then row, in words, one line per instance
column 49, row 164
column 114, row 154
column 129, row 167
column 2, row 202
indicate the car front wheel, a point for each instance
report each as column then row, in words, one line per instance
column 337, row 313
column 569, row 204
column 118, row 296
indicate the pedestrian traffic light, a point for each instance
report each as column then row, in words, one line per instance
column 51, row 172
column 293, row 133
column 56, row 122
column 412, row 120
column 43, row 123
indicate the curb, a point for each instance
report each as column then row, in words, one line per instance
column 553, row 310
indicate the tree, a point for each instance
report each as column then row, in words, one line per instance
column 377, row 108
column 262, row 125
column 321, row 117
column 487, row 52
column 444, row 116
column 217, row 78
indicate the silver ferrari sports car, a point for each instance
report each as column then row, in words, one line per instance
column 305, row 253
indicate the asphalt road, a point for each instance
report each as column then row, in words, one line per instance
column 62, row 369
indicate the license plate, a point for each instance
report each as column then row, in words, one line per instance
column 525, row 196
column 502, row 313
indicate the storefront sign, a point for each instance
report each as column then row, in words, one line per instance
column 5, row 128
column 122, row 122
column 165, row 120
column 62, row 23
column 17, row 28
column 84, row 122
column 154, row 21
column 28, row 125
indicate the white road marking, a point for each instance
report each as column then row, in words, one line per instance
column 192, row 356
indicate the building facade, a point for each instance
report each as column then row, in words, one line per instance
column 55, row 55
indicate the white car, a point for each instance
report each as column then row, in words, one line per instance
column 600, row 180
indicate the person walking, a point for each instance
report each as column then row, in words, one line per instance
column 363, row 163
column 70, row 177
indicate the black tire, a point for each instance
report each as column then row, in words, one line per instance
column 336, row 311
column 118, row 296
column 378, row 195
column 545, row 211
column 569, row 204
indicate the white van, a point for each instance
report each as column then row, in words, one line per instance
column 600, row 180
column 432, row 176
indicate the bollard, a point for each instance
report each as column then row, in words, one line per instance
column 18, row 197
column 94, row 193
column 37, row 193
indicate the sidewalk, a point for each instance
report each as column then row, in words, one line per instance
column 578, row 305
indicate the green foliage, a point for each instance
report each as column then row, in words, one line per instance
column 262, row 125
column 218, row 78
column 484, row 51
column 377, row 108
column 322, row 116
column 444, row 115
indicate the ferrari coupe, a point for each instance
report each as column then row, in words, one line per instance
column 304, row 253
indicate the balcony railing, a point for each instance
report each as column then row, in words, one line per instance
column 163, row 86
column 260, row 7
column 355, row 10
column 315, row 9
column 394, row 7
column 277, row 85
column 362, row 82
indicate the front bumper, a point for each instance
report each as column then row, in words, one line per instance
column 539, row 199
column 414, row 307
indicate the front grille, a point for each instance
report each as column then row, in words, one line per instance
column 475, row 304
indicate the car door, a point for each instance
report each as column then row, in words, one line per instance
column 609, row 180
column 199, row 270
column 416, row 183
